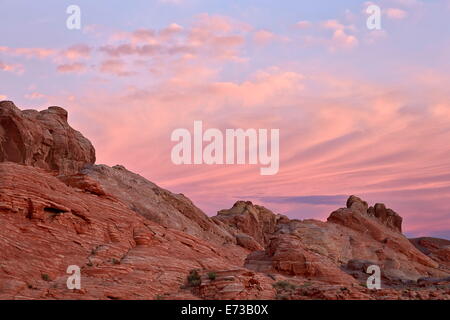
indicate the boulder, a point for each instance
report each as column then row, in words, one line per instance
column 253, row 220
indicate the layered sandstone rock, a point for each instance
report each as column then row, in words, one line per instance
column 436, row 249
column 385, row 216
column 135, row 240
column 298, row 289
column 251, row 224
column 156, row 204
column 234, row 284
column 322, row 250
column 42, row 139
column 47, row 226
column 286, row 254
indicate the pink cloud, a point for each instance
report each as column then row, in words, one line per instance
column 339, row 134
column 172, row 29
column 129, row 49
column 39, row 53
column 343, row 40
column 14, row 68
column 333, row 24
column 35, row 96
column 216, row 23
column 342, row 37
column 336, row 25
column 210, row 37
column 76, row 52
column 341, row 149
column 395, row 13
column 303, row 24
column 148, row 36
column 115, row 67
column 72, row 68
column 263, row 36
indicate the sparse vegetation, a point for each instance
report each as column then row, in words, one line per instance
column 306, row 284
column 284, row 285
column 45, row 277
column 281, row 297
column 115, row 261
column 271, row 276
column 194, row 278
column 212, row 276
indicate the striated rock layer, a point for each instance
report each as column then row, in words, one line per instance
column 323, row 250
column 155, row 203
column 42, row 139
column 47, row 226
column 436, row 249
column 135, row 240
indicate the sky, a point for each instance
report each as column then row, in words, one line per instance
column 360, row 111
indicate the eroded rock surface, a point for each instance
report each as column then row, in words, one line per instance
column 135, row 240
column 437, row 249
column 47, row 226
column 322, row 250
column 249, row 223
column 156, row 204
column 42, row 139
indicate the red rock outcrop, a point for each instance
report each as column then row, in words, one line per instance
column 234, row 284
column 42, row 139
column 286, row 254
column 385, row 216
column 378, row 238
column 251, row 224
column 320, row 250
column 135, row 240
column 298, row 289
column 156, row 204
column 47, row 226
column 435, row 248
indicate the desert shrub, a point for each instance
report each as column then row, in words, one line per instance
column 284, row 285
column 212, row 276
column 45, row 277
column 194, row 278
column 306, row 284
column 281, row 297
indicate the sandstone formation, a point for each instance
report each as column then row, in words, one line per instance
column 252, row 220
column 157, row 204
column 385, row 216
column 47, row 226
column 437, row 249
column 319, row 250
column 135, row 240
column 42, row 139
